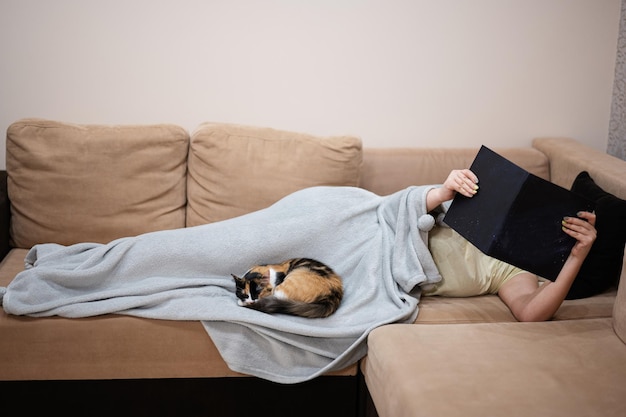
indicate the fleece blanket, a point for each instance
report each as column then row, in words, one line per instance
column 373, row 242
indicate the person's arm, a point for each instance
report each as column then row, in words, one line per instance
column 529, row 301
column 461, row 181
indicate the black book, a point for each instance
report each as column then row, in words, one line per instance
column 516, row 216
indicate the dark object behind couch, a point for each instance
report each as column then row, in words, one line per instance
column 603, row 265
column 5, row 213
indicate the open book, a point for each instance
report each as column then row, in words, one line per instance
column 516, row 216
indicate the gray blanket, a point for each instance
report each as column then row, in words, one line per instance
column 373, row 242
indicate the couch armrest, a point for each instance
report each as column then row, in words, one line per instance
column 5, row 216
column 568, row 157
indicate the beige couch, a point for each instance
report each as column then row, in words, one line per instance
column 73, row 183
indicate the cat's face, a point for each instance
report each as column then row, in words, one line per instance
column 251, row 287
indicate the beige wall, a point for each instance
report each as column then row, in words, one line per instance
column 395, row 72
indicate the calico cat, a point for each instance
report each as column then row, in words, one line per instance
column 300, row 286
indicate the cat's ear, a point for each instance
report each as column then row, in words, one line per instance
column 237, row 279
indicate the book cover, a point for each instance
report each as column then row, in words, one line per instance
column 516, row 216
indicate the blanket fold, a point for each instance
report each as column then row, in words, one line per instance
column 373, row 242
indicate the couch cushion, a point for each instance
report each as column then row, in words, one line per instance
column 110, row 347
column 234, row 169
column 11, row 265
column 597, row 306
column 72, row 183
column 387, row 170
column 491, row 309
column 105, row 347
column 479, row 309
column 564, row 368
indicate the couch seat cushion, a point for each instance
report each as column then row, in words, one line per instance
column 597, row 306
column 490, row 309
column 73, row 183
column 234, row 169
column 480, row 309
column 558, row 368
column 105, row 347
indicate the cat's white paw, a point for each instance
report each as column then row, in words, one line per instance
column 280, row 294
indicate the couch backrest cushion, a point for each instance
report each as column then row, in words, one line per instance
column 234, row 169
column 387, row 170
column 72, row 183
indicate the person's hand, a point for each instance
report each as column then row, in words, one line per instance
column 461, row 181
column 581, row 228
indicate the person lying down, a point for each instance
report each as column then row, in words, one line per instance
column 466, row 271
column 461, row 270
column 379, row 254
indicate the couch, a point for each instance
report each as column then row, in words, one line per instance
column 70, row 183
